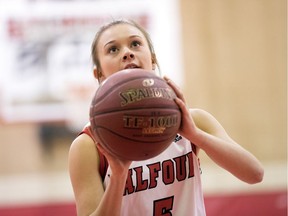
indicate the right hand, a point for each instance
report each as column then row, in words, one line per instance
column 119, row 167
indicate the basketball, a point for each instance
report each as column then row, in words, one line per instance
column 133, row 114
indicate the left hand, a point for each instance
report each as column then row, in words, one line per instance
column 188, row 127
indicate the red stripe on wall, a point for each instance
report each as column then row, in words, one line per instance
column 264, row 204
column 55, row 209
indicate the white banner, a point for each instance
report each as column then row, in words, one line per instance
column 46, row 67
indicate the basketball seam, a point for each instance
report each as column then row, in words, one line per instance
column 122, row 82
column 124, row 137
column 113, row 110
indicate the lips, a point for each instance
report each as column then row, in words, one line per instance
column 131, row 66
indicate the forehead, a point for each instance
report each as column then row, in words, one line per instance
column 118, row 32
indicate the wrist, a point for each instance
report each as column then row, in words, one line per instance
column 119, row 174
column 198, row 137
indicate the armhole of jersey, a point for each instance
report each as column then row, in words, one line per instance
column 194, row 149
column 103, row 163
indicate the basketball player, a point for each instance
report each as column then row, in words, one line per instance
column 168, row 184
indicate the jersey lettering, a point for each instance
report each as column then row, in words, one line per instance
column 154, row 174
column 163, row 207
column 141, row 184
column 168, row 172
column 129, row 183
column 191, row 168
column 178, row 168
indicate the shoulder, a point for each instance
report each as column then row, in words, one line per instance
column 83, row 152
column 207, row 122
column 83, row 162
column 202, row 117
column 82, row 141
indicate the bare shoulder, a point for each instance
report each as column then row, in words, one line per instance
column 82, row 149
column 84, row 173
column 207, row 122
column 82, row 143
column 83, row 161
column 202, row 118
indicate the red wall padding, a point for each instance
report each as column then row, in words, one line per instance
column 261, row 204
column 57, row 209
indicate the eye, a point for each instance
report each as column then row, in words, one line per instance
column 135, row 43
column 112, row 49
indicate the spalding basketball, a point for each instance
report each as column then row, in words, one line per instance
column 133, row 114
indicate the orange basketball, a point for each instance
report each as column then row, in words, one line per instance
column 133, row 114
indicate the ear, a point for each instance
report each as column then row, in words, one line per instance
column 97, row 73
column 154, row 63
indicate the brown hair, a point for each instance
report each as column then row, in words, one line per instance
column 113, row 23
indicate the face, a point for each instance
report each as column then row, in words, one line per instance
column 123, row 46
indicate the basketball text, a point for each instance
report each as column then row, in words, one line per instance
column 133, row 95
column 150, row 124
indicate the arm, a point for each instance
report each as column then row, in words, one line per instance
column 211, row 137
column 87, row 183
column 207, row 134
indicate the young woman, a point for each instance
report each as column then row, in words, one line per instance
column 168, row 184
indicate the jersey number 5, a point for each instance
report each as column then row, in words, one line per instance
column 163, row 207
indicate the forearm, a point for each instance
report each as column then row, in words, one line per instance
column 112, row 198
column 231, row 156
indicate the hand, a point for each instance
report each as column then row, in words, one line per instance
column 118, row 166
column 187, row 128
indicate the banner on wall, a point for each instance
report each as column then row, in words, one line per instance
column 46, row 67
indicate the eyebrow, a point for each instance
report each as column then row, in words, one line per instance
column 130, row 37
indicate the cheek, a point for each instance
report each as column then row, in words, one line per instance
column 109, row 69
column 149, row 63
column 148, row 59
column 107, row 65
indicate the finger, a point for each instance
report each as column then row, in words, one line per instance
column 175, row 87
column 103, row 150
column 165, row 77
column 182, row 106
column 100, row 148
column 171, row 83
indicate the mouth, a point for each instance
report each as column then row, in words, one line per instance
column 131, row 66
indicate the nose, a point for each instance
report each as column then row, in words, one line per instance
column 128, row 55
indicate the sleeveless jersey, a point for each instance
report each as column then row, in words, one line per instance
column 168, row 184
